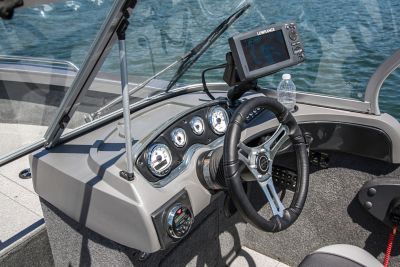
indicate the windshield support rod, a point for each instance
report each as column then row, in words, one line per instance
column 128, row 174
column 88, row 71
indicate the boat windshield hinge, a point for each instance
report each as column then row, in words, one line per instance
column 129, row 4
column 123, row 26
column 64, row 121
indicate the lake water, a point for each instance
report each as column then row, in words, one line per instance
column 345, row 41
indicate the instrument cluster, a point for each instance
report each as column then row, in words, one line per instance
column 166, row 152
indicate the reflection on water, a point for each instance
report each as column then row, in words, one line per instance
column 345, row 41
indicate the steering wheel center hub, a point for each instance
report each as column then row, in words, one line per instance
column 262, row 163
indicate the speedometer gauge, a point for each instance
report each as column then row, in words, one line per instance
column 159, row 159
column 178, row 136
column 197, row 125
column 218, row 119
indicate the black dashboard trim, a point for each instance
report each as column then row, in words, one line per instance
column 356, row 139
column 178, row 153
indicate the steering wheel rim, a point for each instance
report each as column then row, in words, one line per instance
column 259, row 162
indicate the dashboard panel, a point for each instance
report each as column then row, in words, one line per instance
column 166, row 152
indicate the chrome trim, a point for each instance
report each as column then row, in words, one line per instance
column 378, row 78
column 170, row 220
column 41, row 62
column 187, row 159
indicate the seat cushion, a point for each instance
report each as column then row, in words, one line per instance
column 340, row 255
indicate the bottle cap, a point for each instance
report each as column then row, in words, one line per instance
column 286, row 76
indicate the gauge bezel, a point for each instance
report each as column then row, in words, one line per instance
column 155, row 172
column 192, row 127
column 171, row 224
column 173, row 139
column 209, row 118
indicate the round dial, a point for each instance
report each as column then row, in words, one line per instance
column 218, row 119
column 159, row 159
column 197, row 125
column 179, row 138
column 179, row 221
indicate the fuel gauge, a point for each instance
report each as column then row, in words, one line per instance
column 178, row 136
column 197, row 125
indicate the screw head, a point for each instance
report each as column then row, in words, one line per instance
column 368, row 205
column 371, row 192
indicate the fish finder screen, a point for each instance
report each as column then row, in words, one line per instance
column 265, row 50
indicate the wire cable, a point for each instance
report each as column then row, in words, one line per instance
column 389, row 246
column 203, row 79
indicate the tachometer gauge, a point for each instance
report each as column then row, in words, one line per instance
column 218, row 119
column 159, row 159
column 197, row 125
column 178, row 136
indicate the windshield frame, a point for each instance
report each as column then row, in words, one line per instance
column 98, row 52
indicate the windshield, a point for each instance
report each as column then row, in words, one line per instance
column 345, row 41
column 41, row 49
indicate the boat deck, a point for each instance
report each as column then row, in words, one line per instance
column 20, row 210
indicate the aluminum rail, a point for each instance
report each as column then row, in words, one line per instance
column 39, row 61
column 377, row 79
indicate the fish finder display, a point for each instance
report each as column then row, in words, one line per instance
column 265, row 50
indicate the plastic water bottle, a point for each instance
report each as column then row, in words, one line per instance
column 287, row 92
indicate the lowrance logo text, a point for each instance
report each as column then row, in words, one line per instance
column 266, row 31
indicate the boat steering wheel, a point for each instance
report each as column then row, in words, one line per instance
column 259, row 161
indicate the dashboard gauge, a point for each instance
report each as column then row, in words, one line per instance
column 159, row 159
column 178, row 136
column 197, row 125
column 218, row 119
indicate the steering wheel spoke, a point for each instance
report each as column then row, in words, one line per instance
column 274, row 201
column 248, row 156
column 278, row 138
